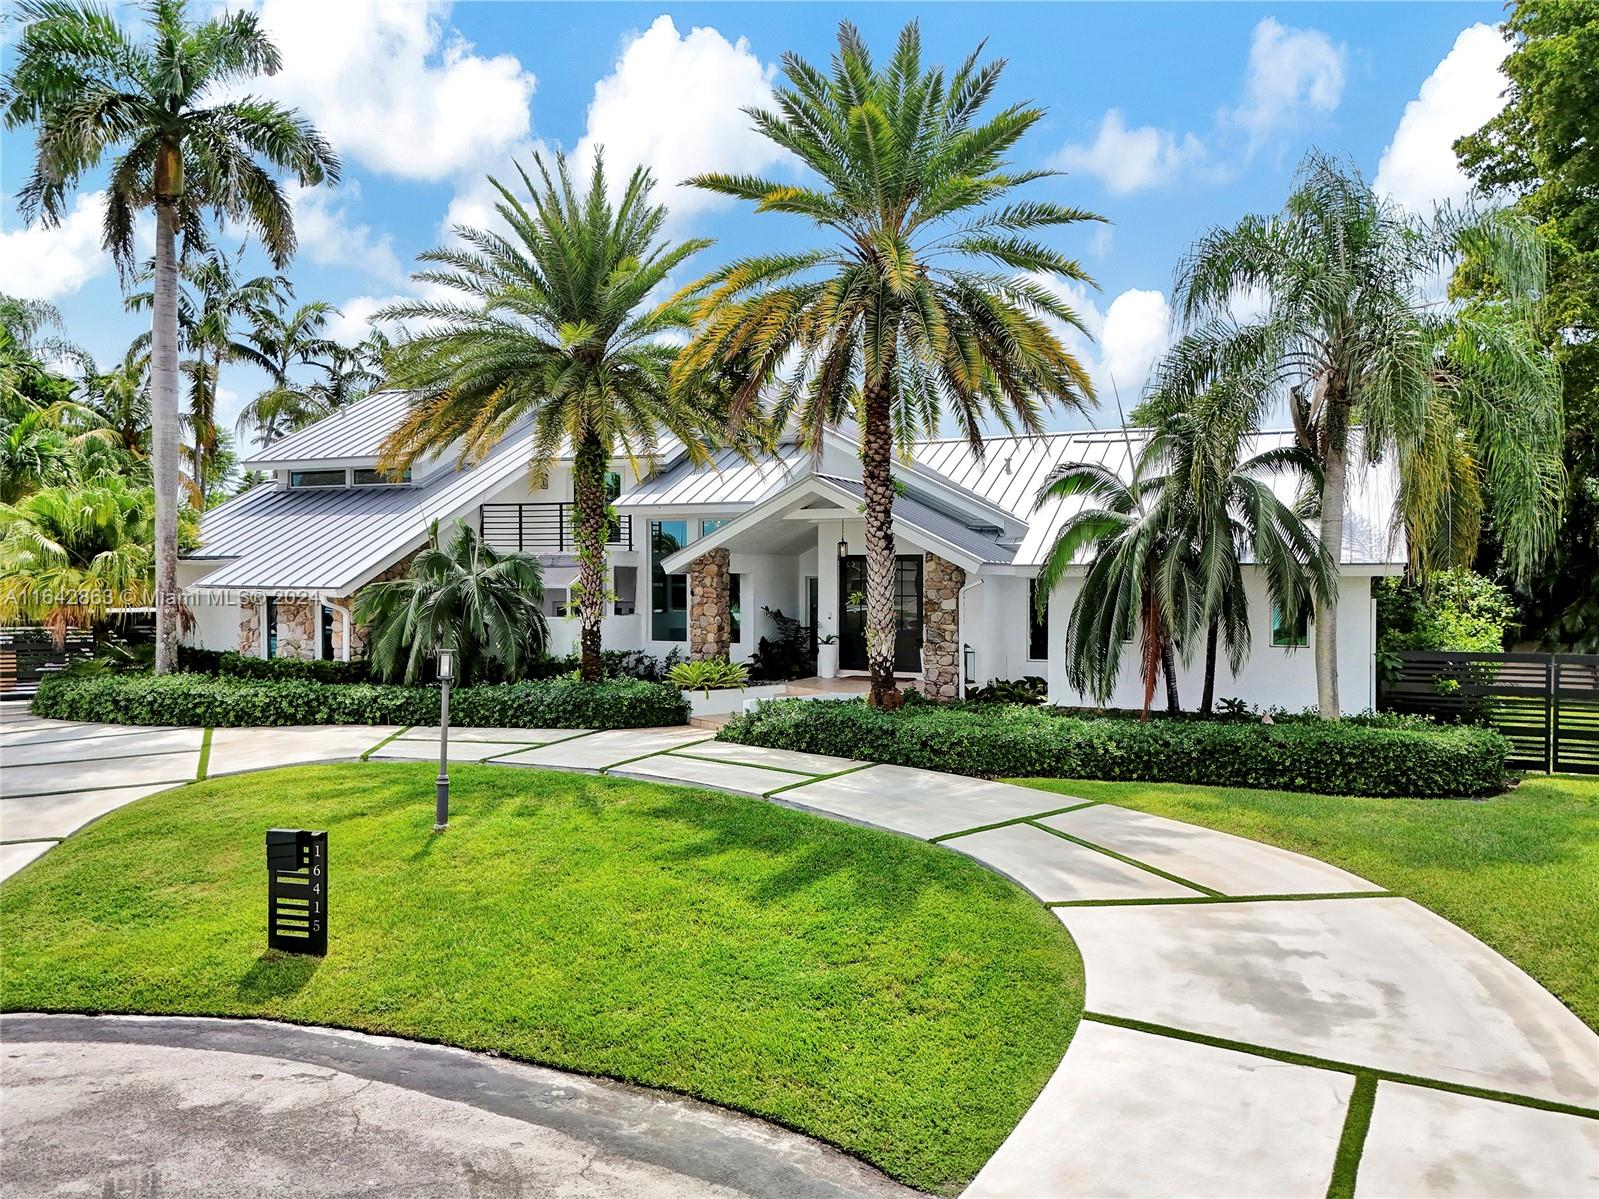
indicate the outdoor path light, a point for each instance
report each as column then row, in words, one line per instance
column 441, row 804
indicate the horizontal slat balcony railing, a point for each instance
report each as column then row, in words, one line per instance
column 548, row 528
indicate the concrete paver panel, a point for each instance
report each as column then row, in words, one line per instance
column 98, row 775
column 1427, row 1142
column 236, row 750
column 87, row 749
column 30, row 817
column 1131, row 1114
column 747, row 780
column 460, row 751
column 782, row 759
column 1055, row 869
column 1374, row 982
column 14, row 857
column 920, row 802
column 1231, row 865
column 61, row 730
column 599, row 751
column 422, row 732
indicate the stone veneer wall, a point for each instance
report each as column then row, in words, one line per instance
column 941, row 652
column 710, row 606
column 250, row 607
column 297, row 628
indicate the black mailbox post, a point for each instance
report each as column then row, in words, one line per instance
column 297, row 891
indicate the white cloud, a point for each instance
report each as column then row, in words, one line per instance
column 1465, row 90
column 1124, row 341
column 674, row 103
column 390, row 83
column 1131, row 159
column 43, row 263
column 1291, row 71
column 355, row 317
column 329, row 236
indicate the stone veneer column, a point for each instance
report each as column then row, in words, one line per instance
column 710, row 606
column 250, row 625
column 941, row 652
column 297, row 628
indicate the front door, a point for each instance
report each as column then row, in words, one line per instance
column 907, row 605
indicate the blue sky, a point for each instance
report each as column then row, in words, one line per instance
column 1168, row 118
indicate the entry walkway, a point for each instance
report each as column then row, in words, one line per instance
column 1257, row 1021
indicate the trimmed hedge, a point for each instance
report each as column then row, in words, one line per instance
column 1329, row 757
column 197, row 699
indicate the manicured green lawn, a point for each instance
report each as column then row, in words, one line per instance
column 1520, row 871
column 884, row 994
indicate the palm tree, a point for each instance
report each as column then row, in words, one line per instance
column 901, row 316
column 485, row 606
column 1140, row 581
column 1459, row 392
column 71, row 553
column 278, row 342
column 555, row 328
column 91, row 88
column 212, row 300
column 119, row 399
column 1228, row 509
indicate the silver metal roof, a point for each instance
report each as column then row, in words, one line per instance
column 917, row 515
column 729, row 481
column 312, row 539
column 351, row 435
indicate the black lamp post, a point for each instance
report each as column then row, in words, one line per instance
column 441, row 803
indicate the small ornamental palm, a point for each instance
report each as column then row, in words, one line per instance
column 1461, row 393
column 901, row 317
column 554, row 327
column 92, row 89
column 486, row 606
column 278, row 341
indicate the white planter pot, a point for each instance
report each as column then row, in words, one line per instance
column 827, row 661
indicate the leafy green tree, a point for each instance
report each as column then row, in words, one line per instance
column 91, row 88
column 71, row 553
column 1456, row 610
column 1541, row 150
column 279, row 341
column 1460, row 393
column 901, row 316
column 486, row 606
column 555, row 328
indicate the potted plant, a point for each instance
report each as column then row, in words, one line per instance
column 827, row 656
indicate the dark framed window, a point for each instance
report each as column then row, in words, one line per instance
column 365, row 477
column 668, row 592
column 1290, row 635
column 1037, row 625
column 316, row 478
column 271, row 626
column 325, row 635
column 733, row 590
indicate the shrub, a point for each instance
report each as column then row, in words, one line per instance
column 1331, row 757
column 708, row 674
column 195, row 699
column 1029, row 689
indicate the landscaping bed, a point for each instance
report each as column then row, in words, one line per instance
column 1374, row 756
column 231, row 702
column 1517, row 871
column 881, row 993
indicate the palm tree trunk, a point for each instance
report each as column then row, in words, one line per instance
column 197, row 423
column 1168, row 667
column 1208, row 699
column 164, row 409
column 1151, row 636
column 1334, row 474
column 588, row 486
column 878, row 481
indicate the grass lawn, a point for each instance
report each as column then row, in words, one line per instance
column 1519, row 871
column 889, row 996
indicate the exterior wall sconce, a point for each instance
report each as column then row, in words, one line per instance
column 843, row 549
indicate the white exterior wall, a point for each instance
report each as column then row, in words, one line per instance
column 1271, row 676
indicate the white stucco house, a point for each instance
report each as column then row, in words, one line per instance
column 697, row 550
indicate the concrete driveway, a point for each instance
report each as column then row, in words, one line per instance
column 1256, row 1020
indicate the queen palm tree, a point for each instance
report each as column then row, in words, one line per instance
column 484, row 605
column 119, row 399
column 92, row 88
column 555, row 328
column 901, row 316
column 279, row 341
column 1348, row 335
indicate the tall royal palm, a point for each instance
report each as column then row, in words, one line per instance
column 554, row 327
column 903, row 316
column 1349, row 334
column 156, row 104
